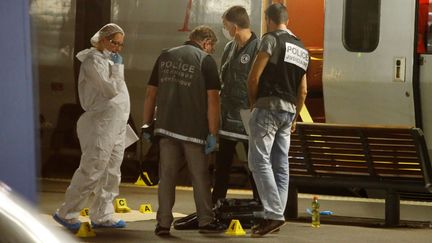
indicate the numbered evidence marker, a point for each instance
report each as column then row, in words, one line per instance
column 145, row 181
column 84, row 212
column 140, row 182
column 85, row 230
column 235, row 228
column 121, row 206
column 145, row 208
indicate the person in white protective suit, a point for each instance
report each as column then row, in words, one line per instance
column 101, row 131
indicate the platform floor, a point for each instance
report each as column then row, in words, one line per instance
column 354, row 220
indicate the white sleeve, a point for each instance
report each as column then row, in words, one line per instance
column 98, row 73
column 117, row 72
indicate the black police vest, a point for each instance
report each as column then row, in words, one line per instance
column 182, row 95
column 234, row 72
column 282, row 79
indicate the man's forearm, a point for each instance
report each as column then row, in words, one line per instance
column 301, row 96
column 213, row 111
column 252, row 91
column 149, row 104
column 300, row 103
column 258, row 66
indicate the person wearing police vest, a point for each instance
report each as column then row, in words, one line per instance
column 184, row 85
column 236, row 63
column 277, row 91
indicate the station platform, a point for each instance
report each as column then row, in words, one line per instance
column 354, row 219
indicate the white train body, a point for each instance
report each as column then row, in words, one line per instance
column 375, row 76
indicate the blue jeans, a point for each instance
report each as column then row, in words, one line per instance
column 269, row 142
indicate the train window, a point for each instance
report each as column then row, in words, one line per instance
column 361, row 25
column 427, row 5
column 423, row 26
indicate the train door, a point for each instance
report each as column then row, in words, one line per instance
column 426, row 97
column 426, row 72
column 369, row 56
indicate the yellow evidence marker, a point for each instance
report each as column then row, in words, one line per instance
column 145, row 208
column 235, row 228
column 85, row 230
column 140, row 182
column 121, row 206
column 84, row 212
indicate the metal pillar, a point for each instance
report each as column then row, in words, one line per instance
column 18, row 123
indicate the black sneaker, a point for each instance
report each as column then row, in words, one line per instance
column 161, row 231
column 276, row 231
column 273, row 232
column 266, row 226
column 213, row 227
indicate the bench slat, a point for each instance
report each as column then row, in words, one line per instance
column 323, row 150
column 372, row 152
column 349, row 134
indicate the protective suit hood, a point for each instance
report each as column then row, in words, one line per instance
column 105, row 31
column 82, row 55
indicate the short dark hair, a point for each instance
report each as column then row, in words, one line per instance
column 277, row 13
column 238, row 16
column 202, row 33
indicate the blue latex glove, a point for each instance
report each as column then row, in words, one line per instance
column 145, row 132
column 210, row 145
column 116, row 58
column 325, row 212
column 146, row 136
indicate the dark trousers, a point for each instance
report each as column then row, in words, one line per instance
column 174, row 154
column 222, row 171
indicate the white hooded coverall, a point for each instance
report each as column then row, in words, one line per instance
column 101, row 131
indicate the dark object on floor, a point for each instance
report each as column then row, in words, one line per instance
column 213, row 227
column 245, row 210
column 148, row 166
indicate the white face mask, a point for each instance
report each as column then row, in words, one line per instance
column 106, row 53
column 226, row 33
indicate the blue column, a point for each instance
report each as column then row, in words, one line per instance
column 18, row 104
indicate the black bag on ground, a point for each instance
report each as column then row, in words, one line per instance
column 189, row 222
column 149, row 164
column 226, row 210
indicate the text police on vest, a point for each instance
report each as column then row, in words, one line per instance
column 178, row 66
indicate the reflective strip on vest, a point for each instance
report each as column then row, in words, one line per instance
column 233, row 135
column 179, row 136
